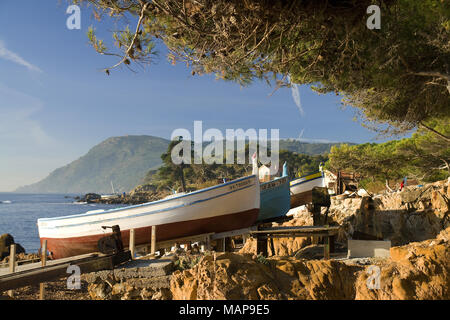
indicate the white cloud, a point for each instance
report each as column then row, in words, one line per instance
column 312, row 140
column 14, row 57
column 296, row 96
column 27, row 152
column 17, row 126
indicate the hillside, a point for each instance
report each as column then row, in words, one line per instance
column 305, row 147
column 122, row 160
column 125, row 161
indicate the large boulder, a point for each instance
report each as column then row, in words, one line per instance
column 239, row 276
column 417, row 271
column 92, row 197
column 414, row 214
column 420, row 270
column 6, row 240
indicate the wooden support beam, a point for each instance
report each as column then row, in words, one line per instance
column 272, row 246
column 227, row 244
column 303, row 235
column 332, row 243
column 51, row 272
column 326, row 248
column 316, row 221
column 245, row 238
column 311, row 229
column 12, row 258
column 232, row 233
column 208, row 243
column 132, row 243
column 170, row 243
column 12, row 264
column 261, row 245
column 153, row 241
column 43, row 264
column 263, row 234
column 220, row 245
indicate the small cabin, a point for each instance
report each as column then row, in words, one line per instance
column 264, row 173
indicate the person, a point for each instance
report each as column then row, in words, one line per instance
column 402, row 185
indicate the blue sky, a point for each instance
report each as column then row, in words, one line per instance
column 56, row 104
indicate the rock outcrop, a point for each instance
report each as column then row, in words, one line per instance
column 142, row 279
column 140, row 194
column 419, row 270
column 414, row 214
column 238, row 276
column 6, row 240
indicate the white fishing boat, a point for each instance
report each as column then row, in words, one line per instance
column 301, row 188
column 228, row 206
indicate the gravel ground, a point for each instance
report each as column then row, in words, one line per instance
column 56, row 290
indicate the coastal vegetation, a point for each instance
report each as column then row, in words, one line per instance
column 424, row 157
column 187, row 177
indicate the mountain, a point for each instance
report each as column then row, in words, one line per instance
column 124, row 161
column 306, row 147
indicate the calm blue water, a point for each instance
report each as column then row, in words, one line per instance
column 19, row 214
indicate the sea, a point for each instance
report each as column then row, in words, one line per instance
column 19, row 214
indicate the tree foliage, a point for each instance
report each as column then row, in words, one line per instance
column 196, row 176
column 423, row 157
column 170, row 173
column 398, row 75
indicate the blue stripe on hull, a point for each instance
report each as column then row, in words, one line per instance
column 275, row 202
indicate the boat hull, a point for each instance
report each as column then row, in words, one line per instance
column 229, row 206
column 301, row 189
column 275, row 199
column 67, row 247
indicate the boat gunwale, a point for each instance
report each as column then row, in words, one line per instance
column 85, row 214
column 295, row 183
column 273, row 180
column 146, row 213
column 282, row 184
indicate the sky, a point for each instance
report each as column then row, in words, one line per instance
column 56, row 103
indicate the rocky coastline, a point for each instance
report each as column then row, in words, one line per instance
column 140, row 194
column 415, row 220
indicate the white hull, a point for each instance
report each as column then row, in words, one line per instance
column 301, row 188
column 307, row 183
column 235, row 196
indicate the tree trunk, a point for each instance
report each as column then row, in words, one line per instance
column 387, row 186
column 183, row 182
column 440, row 135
